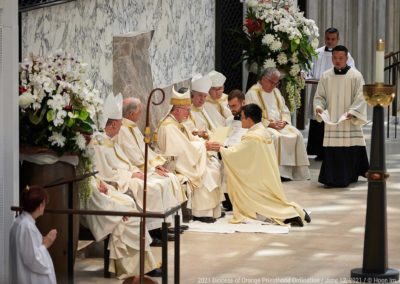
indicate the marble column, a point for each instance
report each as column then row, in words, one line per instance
column 132, row 74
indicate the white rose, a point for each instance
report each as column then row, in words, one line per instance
column 314, row 43
column 25, row 100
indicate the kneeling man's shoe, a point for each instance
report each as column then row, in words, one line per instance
column 184, row 227
column 155, row 273
column 204, row 219
column 156, row 242
column 295, row 222
column 307, row 216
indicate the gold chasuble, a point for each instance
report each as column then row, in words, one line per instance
column 289, row 143
column 254, row 184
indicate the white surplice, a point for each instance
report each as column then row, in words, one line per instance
column 124, row 244
column 30, row 261
column 194, row 163
column 289, row 144
column 321, row 63
column 341, row 94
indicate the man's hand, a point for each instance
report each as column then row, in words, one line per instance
column 103, row 187
column 349, row 116
column 277, row 124
column 138, row 175
column 49, row 239
column 124, row 218
column 212, row 146
column 161, row 171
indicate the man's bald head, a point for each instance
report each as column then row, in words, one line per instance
column 131, row 109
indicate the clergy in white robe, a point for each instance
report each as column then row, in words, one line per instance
column 30, row 261
column 340, row 92
column 124, row 244
column 288, row 140
column 320, row 63
column 199, row 121
column 254, row 184
column 216, row 103
column 192, row 160
column 114, row 166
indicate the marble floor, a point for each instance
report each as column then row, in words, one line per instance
column 323, row 251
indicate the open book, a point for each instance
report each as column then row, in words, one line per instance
column 220, row 134
column 327, row 118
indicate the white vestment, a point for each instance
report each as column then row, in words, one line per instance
column 321, row 63
column 30, row 261
column 124, row 244
column 114, row 166
column 340, row 94
column 131, row 141
column 200, row 120
column 289, row 144
column 193, row 162
column 218, row 110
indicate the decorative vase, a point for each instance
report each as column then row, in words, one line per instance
column 37, row 174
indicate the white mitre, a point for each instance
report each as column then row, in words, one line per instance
column 112, row 108
column 217, row 79
column 201, row 83
column 178, row 99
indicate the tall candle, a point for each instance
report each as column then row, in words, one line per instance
column 380, row 62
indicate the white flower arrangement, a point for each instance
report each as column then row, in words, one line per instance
column 276, row 34
column 58, row 108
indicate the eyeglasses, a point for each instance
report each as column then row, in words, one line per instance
column 275, row 84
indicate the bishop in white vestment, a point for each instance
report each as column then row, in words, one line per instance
column 288, row 140
column 192, row 160
column 131, row 140
column 340, row 92
column 199, row 120
column 254, row 184
column 216, row 103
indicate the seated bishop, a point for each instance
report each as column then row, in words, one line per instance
column 216, row 103
column 254, row 184
column 131, row 141
column 124, row 244
column 199, row 121
column 192, row 160
column 288, row 140
column 114, row 166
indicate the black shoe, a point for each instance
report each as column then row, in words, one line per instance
column 295, row 222
column 204, row 219
column 318, row 158
column 307, row 216
column 284, row 179
column 222, row 215
column 172, row 231
column 156, row 242
column 184, row 227
column 155, row 273
column 157, row 234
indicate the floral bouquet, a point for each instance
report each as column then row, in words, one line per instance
column 276, row 34
column 58, row 109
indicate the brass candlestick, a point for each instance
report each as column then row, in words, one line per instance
column 375, row 258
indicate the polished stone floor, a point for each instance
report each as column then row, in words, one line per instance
column 324, row 251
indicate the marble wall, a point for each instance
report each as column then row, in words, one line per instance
column 182, row 45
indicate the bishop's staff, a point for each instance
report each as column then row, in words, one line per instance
column 147, row 141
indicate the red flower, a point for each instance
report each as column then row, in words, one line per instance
column 68, row 107
column 254, row 26
column 22, row 90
